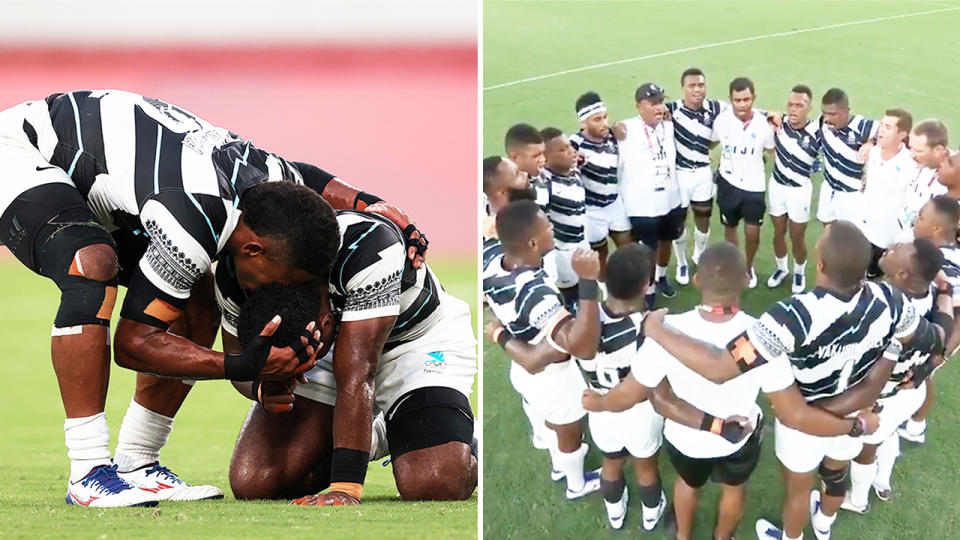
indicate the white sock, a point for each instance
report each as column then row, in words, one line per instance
column 700, row 239
column 88, row 443
column 680, row 249
column 799, row 268
column 661, row 271
column 916, row 428
column 821, row 521
column 571, row 464
column 785, row 537
column 142, row 434
column 540, row 430
column 781, row 263
column 887, row 456
column 861, row 477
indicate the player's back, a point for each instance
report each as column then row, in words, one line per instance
column 523, row 299
column 909, row 356
column 620, row 338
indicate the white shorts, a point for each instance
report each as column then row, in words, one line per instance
column 794, row 201
column 603, row 220
column 566, row 277
column 445, row 356
column 638, row 429
column 696, row 185
column 896, row 410
column 24, row 167
column 802, row 453
column 835, row 205
column 554, row 393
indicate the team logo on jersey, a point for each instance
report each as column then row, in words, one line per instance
column 851, row 137
column 435, row 364
column 805, row 142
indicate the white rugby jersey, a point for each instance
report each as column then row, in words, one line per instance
column 565, row 208
column 620, row 339
column 599, row 169
column 370, row 278
column 524, row 300
column 737, row 396
column 167, row 181
column 796, row 150
column 692, row 128
column 883, row 194
column 842, row 169
column 831, row 341
column 741, row 149
column 922, row 187
column 647, row 169
column 908, row 356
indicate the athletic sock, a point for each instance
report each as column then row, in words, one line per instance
column 88, row 443
column 142, row 434
column 785, row 537
column 887, row 456
column 540, row 430
column 821, row 521
column 916, row 428
column 661, row 271
column 680, row 249
column 781, row 263
column 700, row 239
column 799, row 268
column 571, row 464
column 861, row 477
column 612, row 489
column 650, row 495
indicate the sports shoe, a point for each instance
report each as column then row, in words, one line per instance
column 776, row 278
column 379, row 448
column 847, row 504
column 918, row 438
column 651, row 516
column 650, row 299
column 753, row 279
column 665, row 288
column 883, row 494
column 618, row 510
column 768, row 531
column 167, row 486
column 814, row 508
column 540, row 442
column 556, row 475
column 799, row 283
column 591, row 483
column 683, row 275
column 103, row 488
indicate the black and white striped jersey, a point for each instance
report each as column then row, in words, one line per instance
column 831, row 341
column 524, row 300
column 370, row 278
column 599, row 169
column 842, row 169
column 620, row 338
column 492, row 248
column 796, row 150
column 156, row 173
column 692, row 128
column 909, row 356
column 566, row 207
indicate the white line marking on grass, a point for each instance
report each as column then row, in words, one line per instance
column 717, row 44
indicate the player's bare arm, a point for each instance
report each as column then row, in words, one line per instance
column 861, row 395
column 580, row 335
column 796, row 413
column 533, row 358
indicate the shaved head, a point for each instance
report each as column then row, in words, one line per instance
column 844, row 254
column 722, row 270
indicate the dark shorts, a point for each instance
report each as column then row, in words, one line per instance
column 736, row 204
column 651, row 230
column 428, row 417
column 732, row 470
column 874, row 271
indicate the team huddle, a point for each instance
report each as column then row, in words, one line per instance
column 334, row 310
column 847, row 364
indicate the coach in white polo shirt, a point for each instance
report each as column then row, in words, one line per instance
column 647, row 174
column 889, row 170
column 744, row 136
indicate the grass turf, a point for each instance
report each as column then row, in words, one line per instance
column 33, row 464
column 891, row 63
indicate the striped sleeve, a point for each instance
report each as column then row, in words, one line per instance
column 368, row 271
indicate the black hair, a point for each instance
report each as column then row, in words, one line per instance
column 490, row 165
column 845, row 253
column 521, row 134
column 550, row 133
column 297, row 305
column 690, row 71
column 300, row 218
column 722, row 269
column 927, row 259
column 740, row 84
column 516, row 222
column 949, row 211
column 628, row 271
column 589, row 98
column 835, row 96
column 802, row 89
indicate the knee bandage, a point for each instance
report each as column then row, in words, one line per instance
column 834, row 481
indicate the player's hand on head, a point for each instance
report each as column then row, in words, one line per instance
column 414, row 239
column 586, row 263
column 333, row 498
column 294, row 360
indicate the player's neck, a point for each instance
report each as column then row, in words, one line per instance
column 559, row 171
column 798, row 125
column 889, row 153
column 693, row 106
column 530, row 260
column 718, row 309
column 953, row 192
column 591, row 138
column 824, row 282
column 618, row 307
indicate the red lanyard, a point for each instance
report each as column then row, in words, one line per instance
column 720, row 310
column 646, row 131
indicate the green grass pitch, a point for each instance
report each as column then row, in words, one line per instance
column 894, row 62
column 34, row 467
